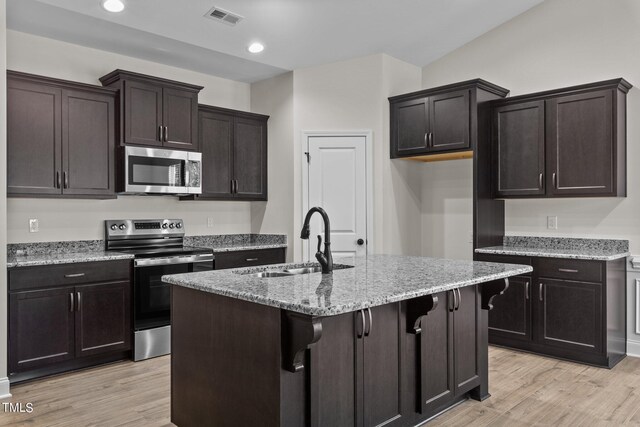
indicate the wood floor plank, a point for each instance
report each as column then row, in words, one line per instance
column 526, row 390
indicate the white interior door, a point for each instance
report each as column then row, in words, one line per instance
column 338, row 184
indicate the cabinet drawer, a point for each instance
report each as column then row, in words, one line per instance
column 250, row 258
column 23, row 278
column 570, row 269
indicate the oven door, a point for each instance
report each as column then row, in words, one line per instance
column 152, row 170
column 152, row 297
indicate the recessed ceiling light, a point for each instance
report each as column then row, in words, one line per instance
column 113, row 5
column 255, row 47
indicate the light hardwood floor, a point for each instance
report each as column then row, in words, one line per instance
column 526, row 390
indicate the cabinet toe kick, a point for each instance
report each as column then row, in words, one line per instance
column 300, row 332
column 492, row 289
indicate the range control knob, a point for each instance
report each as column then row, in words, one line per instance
column 178, row 225
column 122, row 226
column 171, row 225
column 114, row 227
column 164, row 225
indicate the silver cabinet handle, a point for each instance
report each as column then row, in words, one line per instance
column 166, row 134
column 70, row 301
column 236, row 186
column 455, row 300
column 160, row 133
column 555, row 181
column 431, row 139
column 526, row 290
column 540, row 290
column 231, row 183
column 66, row 179
column 78, row 306
column 459, row 299
column 69, row 276
column 57, row 179
column 540, row 180
column 362, row 322
column 567, row 270
column 368, row 330
column 251, row 259
column 426, row 140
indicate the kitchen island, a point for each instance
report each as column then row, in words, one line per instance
column 384, row 339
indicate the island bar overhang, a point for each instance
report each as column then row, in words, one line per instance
column 238, row 362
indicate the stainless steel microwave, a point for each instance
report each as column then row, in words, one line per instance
column 158, row 171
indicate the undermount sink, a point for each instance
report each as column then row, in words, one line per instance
column 292, row 271
column 304, row 270
column 270, row 274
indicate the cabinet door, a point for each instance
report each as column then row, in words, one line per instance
column 216, row 143
column 511, row 314
column 40, row 328
column 409, row 127
column 449, row 121
column 250, row 158
column 518, row 149
column 580, row 144
column 336, row 399
column 142, row 113
column 465, row 333
column 570, row 315
column 180, row 119
column 103, row 318
column 88, row 143
column 34, row 138
column 382, row 354
column 436, row 355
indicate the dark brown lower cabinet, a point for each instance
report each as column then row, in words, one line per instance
column 397, row 364
column 570, row 309
column 59, row 322
column 362, row 350
column 239, row 259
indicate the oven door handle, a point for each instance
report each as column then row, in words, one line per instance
column 181, row 259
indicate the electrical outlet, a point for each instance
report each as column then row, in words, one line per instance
column 34, row 225
column 210, row 222
column 552, row 222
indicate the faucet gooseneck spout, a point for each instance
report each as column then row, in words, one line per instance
column 324, row 258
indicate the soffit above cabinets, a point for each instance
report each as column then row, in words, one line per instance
column 296, row 34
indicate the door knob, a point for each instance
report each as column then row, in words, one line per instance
column 360, row 242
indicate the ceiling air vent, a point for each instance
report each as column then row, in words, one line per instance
column 223, row 16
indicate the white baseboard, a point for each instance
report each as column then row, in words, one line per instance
column 4, row 388
column 633, row 348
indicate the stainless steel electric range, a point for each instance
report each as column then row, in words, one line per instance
column 158, row 249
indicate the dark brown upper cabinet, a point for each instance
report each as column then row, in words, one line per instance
column 60, row 138
column 518, row 135
column 568, row 142
column 234, row 154
column 156, row 112
column 439, row 123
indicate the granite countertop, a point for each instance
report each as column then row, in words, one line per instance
column 64, row 258
column 559, row 247
column 374, row 280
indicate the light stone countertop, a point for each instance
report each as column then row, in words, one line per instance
column 561, row 247
column 64, row 258
column 374, row 280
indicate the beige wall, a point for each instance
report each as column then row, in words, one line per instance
column 4, row 386
column 556, row 44
column 352, row 95
column 274, row 97
column 81, row 219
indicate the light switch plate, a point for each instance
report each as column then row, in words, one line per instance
column 552, row 222
column 34, row 225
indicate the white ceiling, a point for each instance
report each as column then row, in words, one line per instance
column 296, row 33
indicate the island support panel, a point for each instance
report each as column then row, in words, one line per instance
column 236, row 362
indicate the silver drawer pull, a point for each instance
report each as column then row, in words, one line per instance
column 251, row 259
column 567, row 270
column 69, row 276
